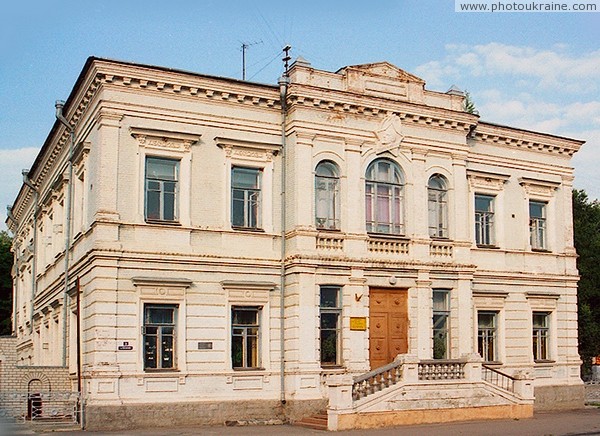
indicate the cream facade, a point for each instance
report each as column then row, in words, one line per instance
column 410, row 228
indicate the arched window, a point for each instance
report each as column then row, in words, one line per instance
column 327, row 196
column 437, row 194
column 384, row 198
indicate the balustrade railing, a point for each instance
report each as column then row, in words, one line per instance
column 441, row 370
column 388, row 246
column 376, row 380
column 330, row 243
column 440, row 249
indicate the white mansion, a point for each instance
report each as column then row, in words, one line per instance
column 198, row 249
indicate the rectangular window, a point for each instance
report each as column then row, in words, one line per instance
column 245, row 336
column 487, row 335
column 159, row 336
column 537, row 225
column 540, row 336
column 161, row 189
column 245, row 198
column 484, row 219
column 441, row 324
column 330, row 325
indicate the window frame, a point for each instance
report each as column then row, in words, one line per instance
column 445, row 314
column 249, row 204
column 160, row 333
column 391, row 191
column 538, row 233
column 484, row 337
column 324, row 313
column 257, row 310
column 330, row 200
column 541, row 337
column 438, row 205
column 485, row 225
column 162, row 181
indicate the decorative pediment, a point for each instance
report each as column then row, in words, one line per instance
column 164, row 139
column 386, row 70
column 483, row 180
column 538, row 188
column 248, row 150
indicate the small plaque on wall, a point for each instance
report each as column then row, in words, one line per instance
column 205, row 345
column 358, row 323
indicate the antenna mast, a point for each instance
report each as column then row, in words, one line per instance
column 246, row 46
column 286, row 58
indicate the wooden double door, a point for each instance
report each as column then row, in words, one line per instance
column 388, row 325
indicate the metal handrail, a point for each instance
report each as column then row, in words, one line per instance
column 499, row 379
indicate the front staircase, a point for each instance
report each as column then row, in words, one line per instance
column 409, row 391
column 316, row 422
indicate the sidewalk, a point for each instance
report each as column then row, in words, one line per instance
column 573, row 423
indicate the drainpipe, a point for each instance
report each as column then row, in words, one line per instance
column 284, row 82
column 10, row 216
column 27, row 181
column 59, row 116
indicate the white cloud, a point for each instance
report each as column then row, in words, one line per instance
column 12, row 162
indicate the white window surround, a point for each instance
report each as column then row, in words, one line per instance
column 542, row 191
column 242, row 294
column 545, row 301
column 485, row 300
column 254, row 155
column 490, row 184
column 168, row 145
column 163, row 291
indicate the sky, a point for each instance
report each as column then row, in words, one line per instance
column 538, row 71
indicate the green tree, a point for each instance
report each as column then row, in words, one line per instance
column 6, row 262
column 586, row 232
column 469, row 104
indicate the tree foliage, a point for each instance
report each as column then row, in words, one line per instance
column 6, row 262
column 586, row 232
column 469, row 104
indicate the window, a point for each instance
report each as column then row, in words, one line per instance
column 441, row 324
column 537, row 225
column 331, row 317
column 438, row 207
column 384, row 198
column 161, row 189
column 327, row 196
column 159, row 336
column 245, row 198
column 487, row 335
column 540, row 336
column 484, row 219
column 245, row 335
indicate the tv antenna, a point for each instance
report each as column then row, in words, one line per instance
column 246, row 46
column 286, row 58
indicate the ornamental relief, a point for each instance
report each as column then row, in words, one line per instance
column 155, row 142
column 164, row 140
column 476, row 182
column 389, row 136
column 534, row 190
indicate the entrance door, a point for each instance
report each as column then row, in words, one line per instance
column 388, row 325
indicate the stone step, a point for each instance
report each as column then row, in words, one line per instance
column 315, row 422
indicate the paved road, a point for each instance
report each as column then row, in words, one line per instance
column 572, row 423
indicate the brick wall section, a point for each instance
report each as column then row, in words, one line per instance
column 15, row 378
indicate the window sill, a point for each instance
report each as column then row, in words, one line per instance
column 326, row 230
column 440, row 238
column 248, row 229
column 164, row 223
column 543, row 362
column 540, row 250
column 493, row 363
column 387, row 236
column 332, row 367
column 248, row 369
column 161, row 370
column 489, row 247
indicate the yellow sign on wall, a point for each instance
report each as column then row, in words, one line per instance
column 358, row 323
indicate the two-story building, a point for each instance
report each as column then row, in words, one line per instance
column 199, row 249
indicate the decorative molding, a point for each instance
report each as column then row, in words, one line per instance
column 486, row 181
column 389, row 136
column 538, row 188
column 164, row 139
column 248, row 292
column 248, row 150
